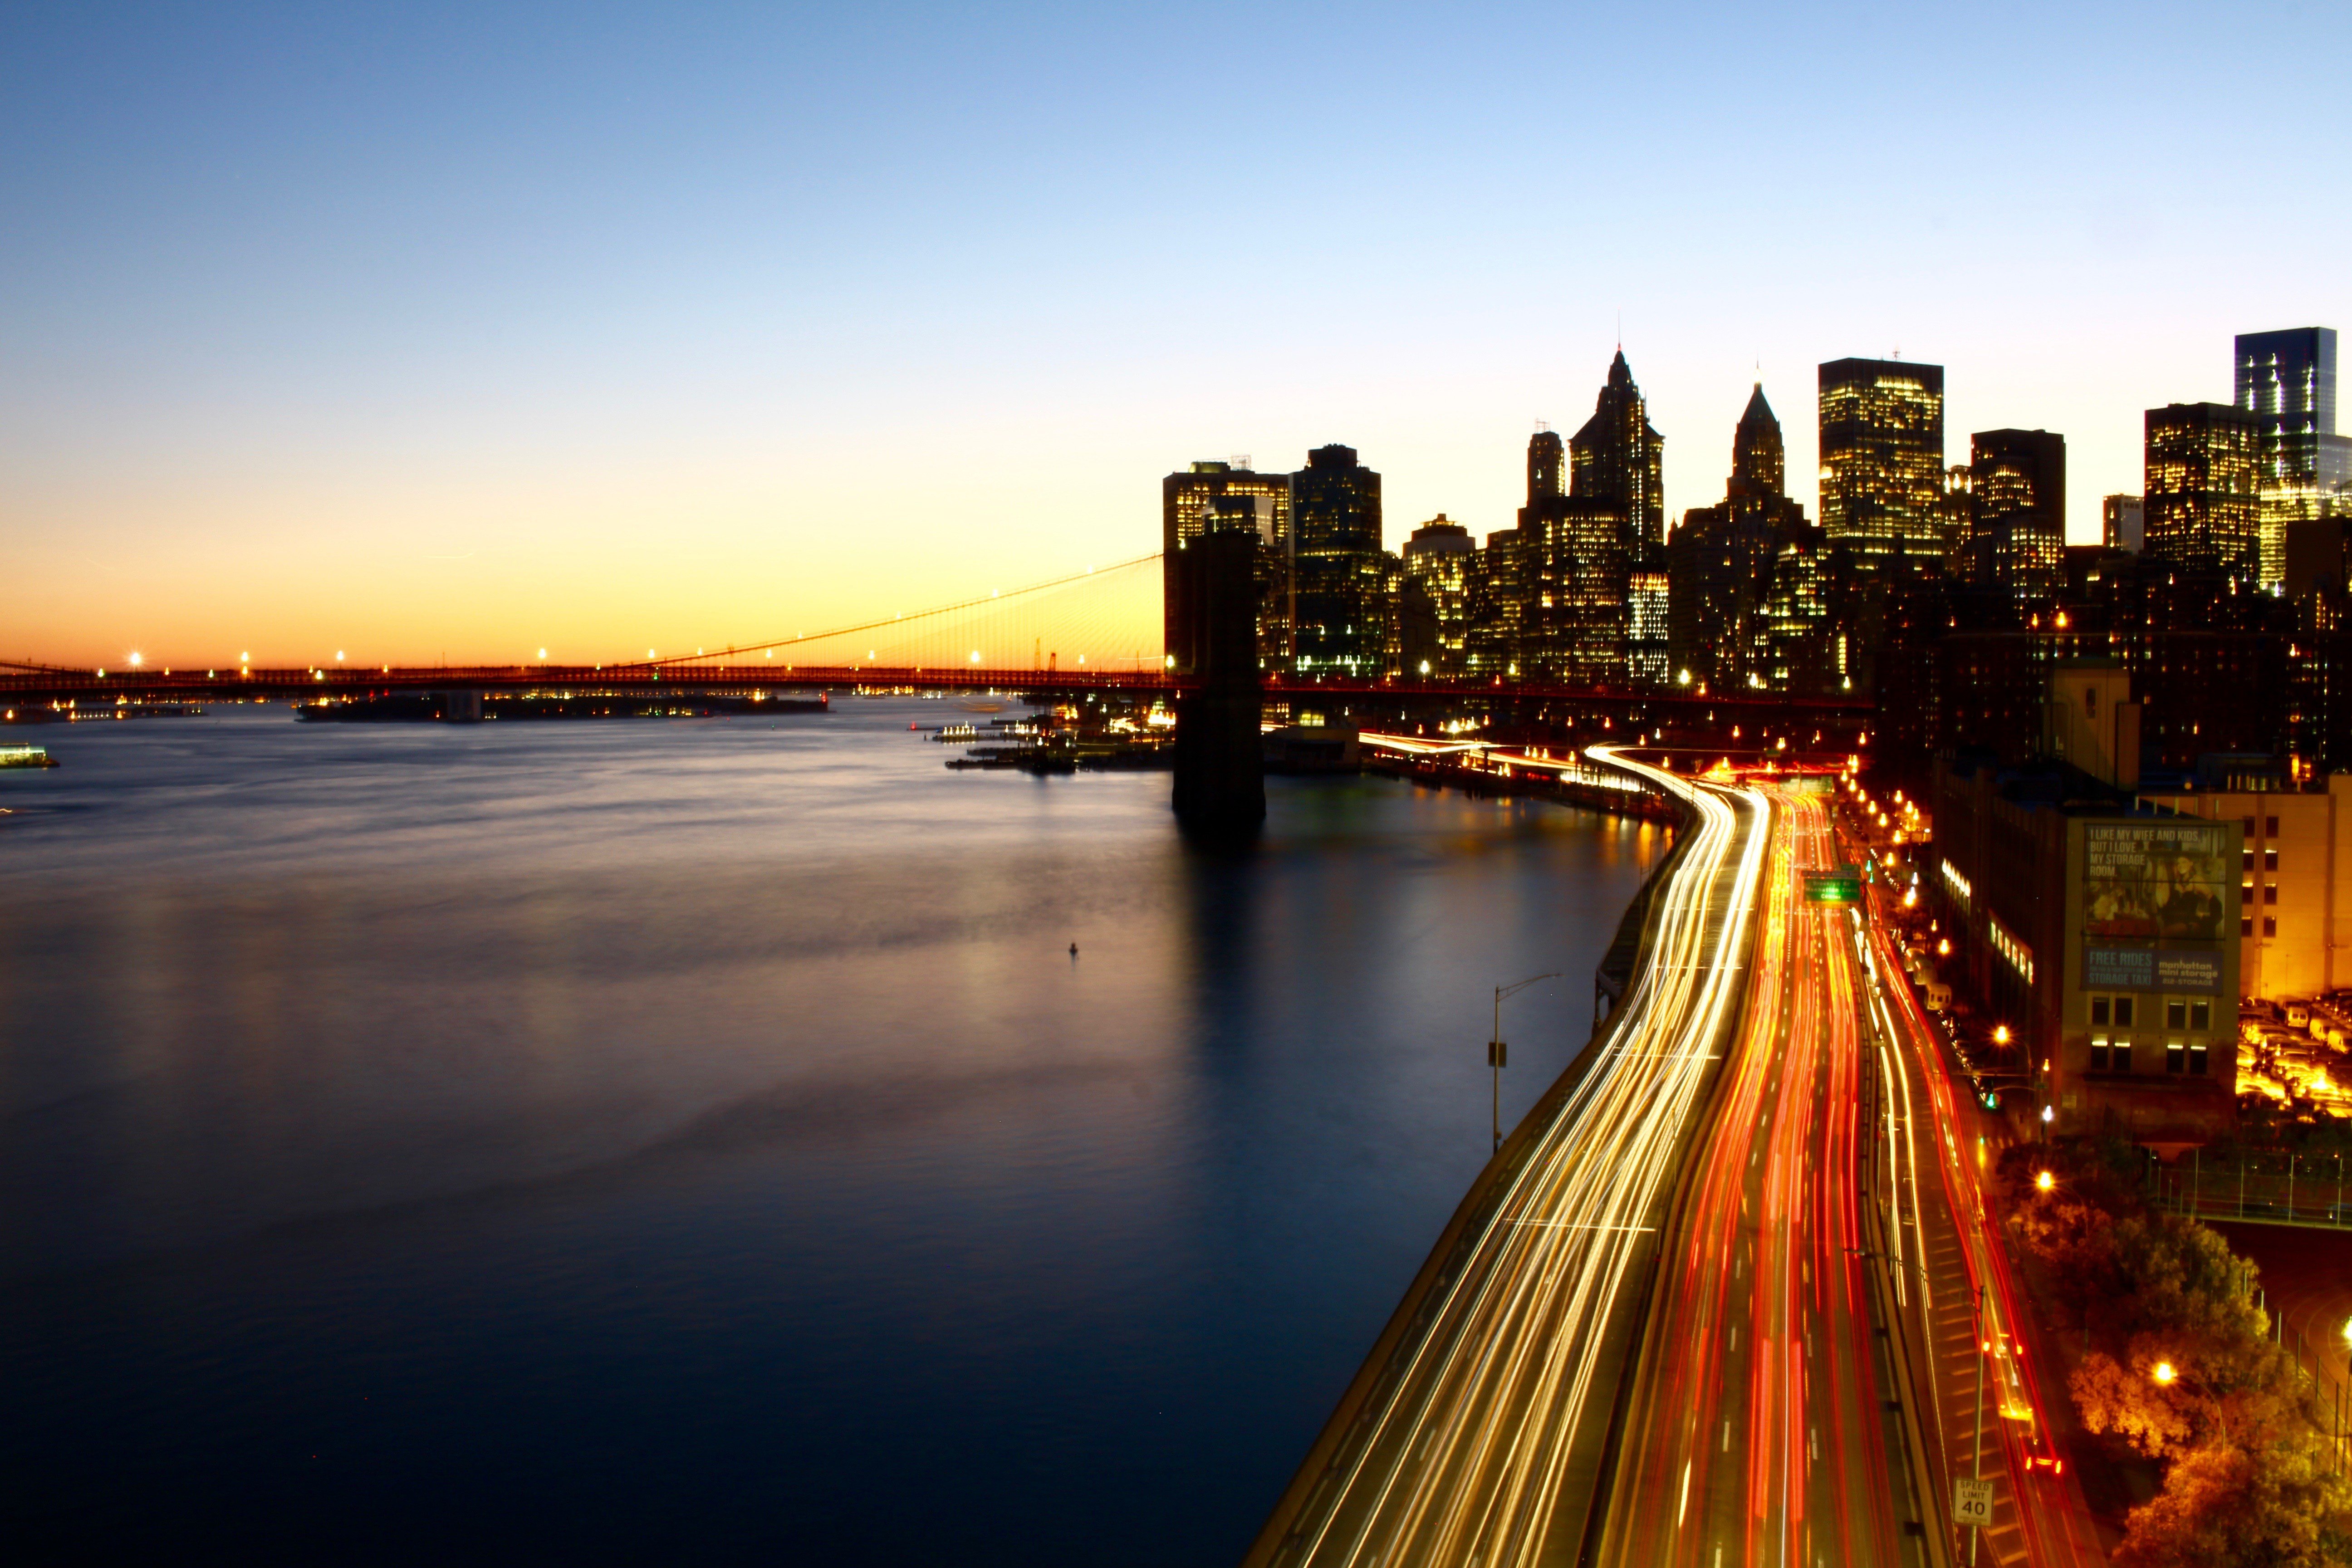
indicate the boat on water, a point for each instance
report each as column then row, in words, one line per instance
column 27, row 757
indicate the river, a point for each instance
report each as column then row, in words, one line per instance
column 694, row 1141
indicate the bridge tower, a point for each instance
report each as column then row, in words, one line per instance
column 1220, row 759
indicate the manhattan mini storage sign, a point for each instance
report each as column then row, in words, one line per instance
column 2153, row 908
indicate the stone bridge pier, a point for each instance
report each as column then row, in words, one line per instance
column 1219, row 791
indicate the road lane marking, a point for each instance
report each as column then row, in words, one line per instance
column 1684, row 1507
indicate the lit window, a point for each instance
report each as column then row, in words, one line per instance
column 2176, row 1056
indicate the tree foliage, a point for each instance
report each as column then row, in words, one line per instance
column 2248, row 1477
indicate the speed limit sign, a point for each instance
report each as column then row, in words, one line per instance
column 1971, row 1502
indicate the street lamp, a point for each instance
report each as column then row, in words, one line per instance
column 1497, row 1053
column 2164, row 1374
column 2043, row 1180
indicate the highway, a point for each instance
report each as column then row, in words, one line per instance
column 1760, row 1427
column 1477, row 1431
column 1971, row 1318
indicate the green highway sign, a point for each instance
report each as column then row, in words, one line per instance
column 1839, row 887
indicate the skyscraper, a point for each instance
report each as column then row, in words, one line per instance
column 1439, row 556
column 1721, row 560
column 2017, row 510
column 1342, row 615
column 1882, row 461
column 2200, row 503
column 2287, row 381
column 2120, row 525
column 1595, row 537
column 1503, row 595
column 1190, row 507
column 1615, row 457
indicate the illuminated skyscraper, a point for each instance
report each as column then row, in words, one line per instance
column 1882, row 461
column 1648, row 628
column 1502, row 594
column 2200, row 503
column 1721, row 560
column 2017, row 510
column 1213, row 496
column 2287, row 381
column 1342, row 612
column 1615, row 458
column 1439, row 556
column 1594, row 537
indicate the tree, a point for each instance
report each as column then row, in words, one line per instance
column 2224, row 1507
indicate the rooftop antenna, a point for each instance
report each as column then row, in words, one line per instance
column 1239, row 460
column 1542, row 426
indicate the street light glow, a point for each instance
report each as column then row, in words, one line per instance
column 2163, row 1373
column 2043, row 1180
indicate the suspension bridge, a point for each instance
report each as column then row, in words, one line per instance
column 1094, row 631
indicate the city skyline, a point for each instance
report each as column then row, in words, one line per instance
column 482, row 337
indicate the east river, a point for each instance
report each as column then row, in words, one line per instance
column 694, row 1141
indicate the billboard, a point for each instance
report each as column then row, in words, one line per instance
column 2157, row 904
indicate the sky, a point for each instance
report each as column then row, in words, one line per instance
column 461, row 332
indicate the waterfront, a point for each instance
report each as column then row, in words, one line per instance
column 695, row 1140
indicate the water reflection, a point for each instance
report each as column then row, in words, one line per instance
column 695, row 1140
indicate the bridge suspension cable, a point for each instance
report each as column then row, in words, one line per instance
column 1106, row 629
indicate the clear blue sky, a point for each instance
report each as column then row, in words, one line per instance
column 414, row 330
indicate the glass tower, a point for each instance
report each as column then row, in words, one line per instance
column 1882, row 461
column 2287, row 381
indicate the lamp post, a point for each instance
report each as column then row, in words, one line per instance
column 2339, row 1397
column 1497, row 1053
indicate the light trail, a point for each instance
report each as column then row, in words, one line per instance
column 1479, row 1436
column 1756, row 1431
column 2040, row 1515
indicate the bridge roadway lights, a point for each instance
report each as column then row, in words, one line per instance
column 1219, row 791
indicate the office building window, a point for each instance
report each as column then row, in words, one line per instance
column 2246, row 926
column 2270, row 827
column 2251, row 835
column 2098, row 1053
column 2176, row 1013
column 2201, row 1015
column 2270, row 892
column 2246, row 859
column 2121, row 1051
column 2270, row 925
column 2246, row 892
column 2197, row 1059
column 2176, row 1056
column 2108, row 1008
column 2269, row 860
